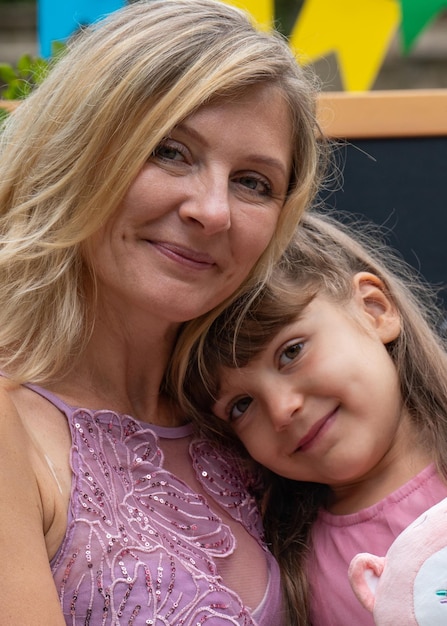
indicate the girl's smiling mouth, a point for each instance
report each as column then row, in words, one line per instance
column 317, row 430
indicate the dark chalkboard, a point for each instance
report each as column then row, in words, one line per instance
column 400, row 181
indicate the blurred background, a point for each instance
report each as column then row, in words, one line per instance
column 425, row 65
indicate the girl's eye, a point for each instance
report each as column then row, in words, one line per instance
column 238, row 408
column 258, row 184
column 290, row 353
column 166, row 151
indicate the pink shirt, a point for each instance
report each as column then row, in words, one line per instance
column 337, row 538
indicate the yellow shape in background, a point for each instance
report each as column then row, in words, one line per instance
column 358, row 31
column 262, row 10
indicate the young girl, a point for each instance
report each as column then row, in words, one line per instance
column 333, row 377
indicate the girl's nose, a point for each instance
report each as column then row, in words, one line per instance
column 208, row 206
column 284, row 408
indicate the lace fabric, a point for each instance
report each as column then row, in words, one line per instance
column 144, row 548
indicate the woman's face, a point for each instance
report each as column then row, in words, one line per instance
column 201, row 211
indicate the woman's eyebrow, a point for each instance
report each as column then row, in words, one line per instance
column 262, row 159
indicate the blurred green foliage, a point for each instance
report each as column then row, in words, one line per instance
column 17, row 81
column 21, row 79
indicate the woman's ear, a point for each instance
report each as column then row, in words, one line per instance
column 370, row 295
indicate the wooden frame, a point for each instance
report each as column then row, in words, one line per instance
column 396, row 113
column 392, row 156
column 9, row 105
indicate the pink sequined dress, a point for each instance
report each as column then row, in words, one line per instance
column 161, row 531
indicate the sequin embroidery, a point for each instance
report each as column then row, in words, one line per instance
column 140, row 547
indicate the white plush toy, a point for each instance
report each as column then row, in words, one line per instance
column 407, row 587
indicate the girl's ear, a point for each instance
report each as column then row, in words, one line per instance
column 370, row 295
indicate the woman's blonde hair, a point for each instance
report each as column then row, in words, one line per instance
column 323, row 257
column 70, row 151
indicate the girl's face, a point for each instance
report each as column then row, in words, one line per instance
column 201, row 211
column 321, row 403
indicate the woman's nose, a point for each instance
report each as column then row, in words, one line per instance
column 209, row 206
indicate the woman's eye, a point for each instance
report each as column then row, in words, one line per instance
column 290, row 353
column 239, row 408
column 257, row 184
column 168, row 152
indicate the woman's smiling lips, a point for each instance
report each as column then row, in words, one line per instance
column 319, row 428
column 184, row 256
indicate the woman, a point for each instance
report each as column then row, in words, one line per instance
column 161, row 166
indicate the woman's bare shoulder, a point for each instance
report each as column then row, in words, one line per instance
column 47, row 428
column 11, row 423
column 36, row 442
column 29, row 593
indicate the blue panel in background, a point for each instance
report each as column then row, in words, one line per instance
column 58, row 19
